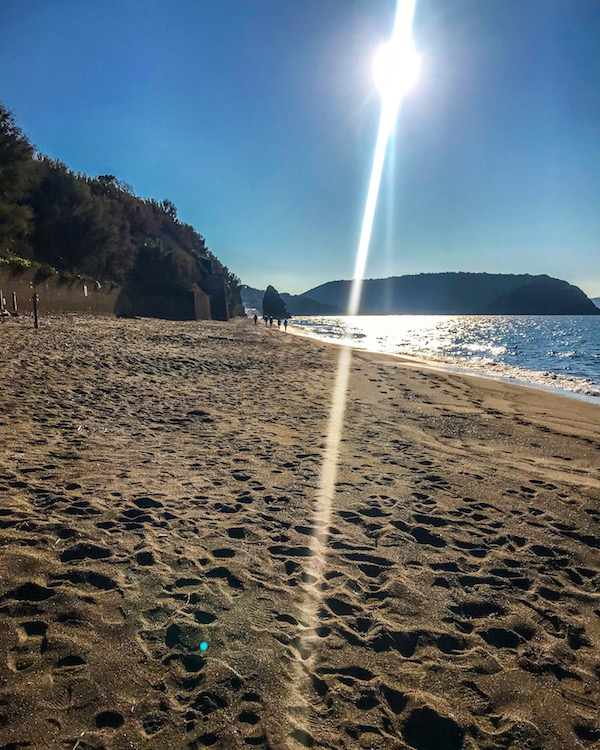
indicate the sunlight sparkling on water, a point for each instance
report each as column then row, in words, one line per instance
column 561, row 352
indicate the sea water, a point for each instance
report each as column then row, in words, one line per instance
column 559, row 352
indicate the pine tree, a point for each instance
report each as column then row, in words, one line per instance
column 16, row 163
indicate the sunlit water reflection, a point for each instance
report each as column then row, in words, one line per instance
column 560, row 352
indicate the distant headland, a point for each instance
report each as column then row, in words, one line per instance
column 442, row 294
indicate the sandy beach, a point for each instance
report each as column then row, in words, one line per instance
column 157, row 493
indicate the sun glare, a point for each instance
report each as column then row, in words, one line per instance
column 396, row 69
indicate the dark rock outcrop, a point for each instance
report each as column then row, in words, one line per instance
column 272, row 304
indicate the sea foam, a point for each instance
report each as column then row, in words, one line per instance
column 558, row 353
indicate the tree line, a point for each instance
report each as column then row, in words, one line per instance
column 95, row 226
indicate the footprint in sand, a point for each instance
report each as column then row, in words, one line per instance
column 225, row 574
column 223, row 552
column 423, row 536
column 153, row 722
column 109, row 719
column 29, row 592
column 84, row 550
column 425, row 729
column 88, row 578
column 145, row 558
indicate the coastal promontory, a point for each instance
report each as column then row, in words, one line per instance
column 460, row 294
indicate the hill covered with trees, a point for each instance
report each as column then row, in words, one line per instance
column 460, row 294
column 67, row 222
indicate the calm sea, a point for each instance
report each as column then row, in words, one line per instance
column 556, row 352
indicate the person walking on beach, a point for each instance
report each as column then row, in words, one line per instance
column 271, row 321
column 285, row 324
column 279, row 323
column 255, row 318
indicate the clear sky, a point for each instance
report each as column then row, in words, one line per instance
column 258, row 119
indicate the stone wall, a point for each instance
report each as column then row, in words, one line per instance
column 180, row 305
column 201, row 305
column 57, row 294
column 214, row 285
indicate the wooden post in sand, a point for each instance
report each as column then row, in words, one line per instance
column 1, row 301
column 15, row 302
column 35, row 300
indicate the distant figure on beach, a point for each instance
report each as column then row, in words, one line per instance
column 285, row 324
column 279, row 323
column 255, row 318
column 266, row 319
column 271, row 321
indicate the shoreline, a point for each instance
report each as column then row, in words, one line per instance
column 438, row 365
column 158, row 487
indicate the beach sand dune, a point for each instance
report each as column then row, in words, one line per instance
column 157, row 493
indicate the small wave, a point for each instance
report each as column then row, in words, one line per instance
column 557, row 353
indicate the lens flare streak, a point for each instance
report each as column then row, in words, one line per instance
column 391, row 96
column 386, row 123
column 313, row 578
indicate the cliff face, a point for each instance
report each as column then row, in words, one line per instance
column 461, row 294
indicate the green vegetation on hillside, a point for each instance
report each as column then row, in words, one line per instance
column 96, row 227
column 460, row 294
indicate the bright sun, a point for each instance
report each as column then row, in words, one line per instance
column 396, row 69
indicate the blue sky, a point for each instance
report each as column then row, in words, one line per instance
column 258, row 119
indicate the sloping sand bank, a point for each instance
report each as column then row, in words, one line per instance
column 157, row 489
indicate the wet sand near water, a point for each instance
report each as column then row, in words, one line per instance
column 157, row 492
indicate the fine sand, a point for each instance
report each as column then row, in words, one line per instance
column 158, row 484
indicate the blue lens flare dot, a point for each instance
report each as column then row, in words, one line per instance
column 203, row 646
